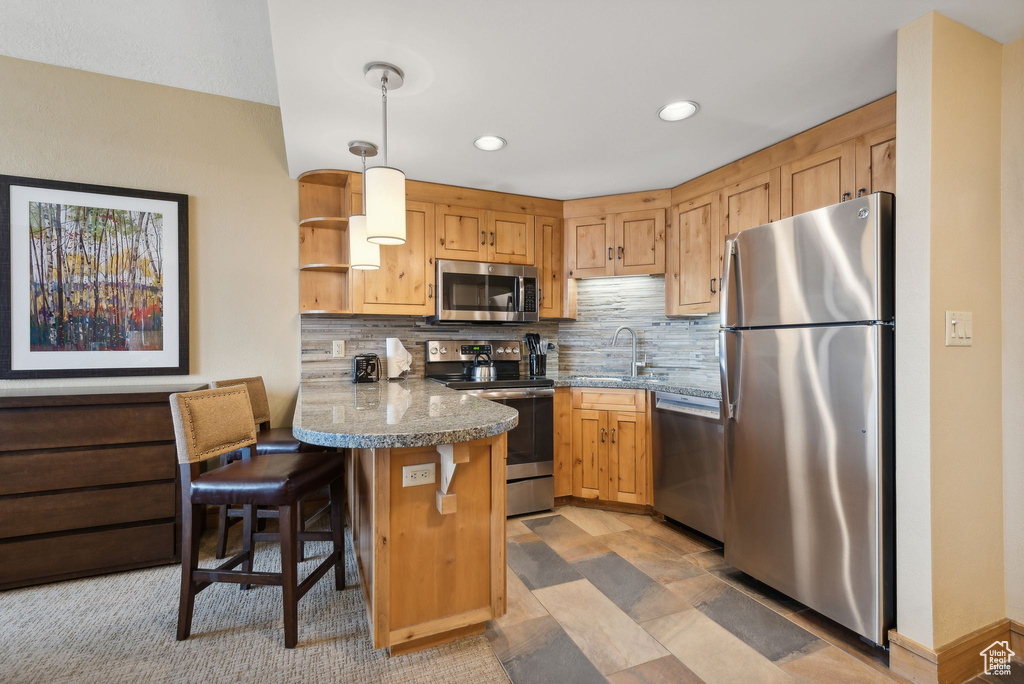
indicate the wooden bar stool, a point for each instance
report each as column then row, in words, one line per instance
column 213, row 422
column 269, row 440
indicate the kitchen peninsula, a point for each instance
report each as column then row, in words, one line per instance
column 430, row 543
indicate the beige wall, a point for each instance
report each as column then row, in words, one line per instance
column 961, row 231
column 1013, row 325
column 227, row 155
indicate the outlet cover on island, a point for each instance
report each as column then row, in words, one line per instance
column 959, row 328
column 420, row 474
column 338, row 349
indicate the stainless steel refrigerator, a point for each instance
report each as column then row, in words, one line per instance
column 806, row 345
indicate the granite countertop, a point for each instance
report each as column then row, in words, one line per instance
column 407, row 413
column 653, row 383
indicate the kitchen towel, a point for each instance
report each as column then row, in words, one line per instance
column 399, row 358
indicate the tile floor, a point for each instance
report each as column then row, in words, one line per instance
column 599, row 596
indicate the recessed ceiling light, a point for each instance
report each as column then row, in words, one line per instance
column 677, row 111
column 489, row 143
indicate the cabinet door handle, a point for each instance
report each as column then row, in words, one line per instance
column 621, row 251
column 540, row 294
column 430, row 290
column 483, row 237
column 602, row 435
column 613, row 435
column 492, row 238
column 846, row 196
column 713, row 290
column 862, row 192
column 609, row 254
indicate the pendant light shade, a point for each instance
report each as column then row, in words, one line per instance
column 363, row 255
column 384, row 197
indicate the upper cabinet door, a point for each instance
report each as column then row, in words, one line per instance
column 747, row 204
column 691, row 282
column 876, row 161
column 818, row 180
column 404, row 284
column 550, row 266
column 591, row 246
column 510, row 238
column 640, row 242
column 461, row 233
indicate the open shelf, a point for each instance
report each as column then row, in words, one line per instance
column 337, row 179
column 336, row 268
column 338, row 222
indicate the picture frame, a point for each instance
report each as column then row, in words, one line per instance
column 93, row 280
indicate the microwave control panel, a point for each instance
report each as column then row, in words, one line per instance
column 530, row 296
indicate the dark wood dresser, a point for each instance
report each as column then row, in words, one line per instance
column 88, row 482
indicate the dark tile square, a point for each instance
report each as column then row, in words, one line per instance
column 538, row 565
column 539, row 651
column 635, row 593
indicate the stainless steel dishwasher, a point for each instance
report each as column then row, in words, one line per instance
column 689, row 461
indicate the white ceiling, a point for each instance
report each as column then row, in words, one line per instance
column 213, row 46
column 573, row 85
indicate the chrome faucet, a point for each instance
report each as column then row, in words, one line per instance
column 634, row 364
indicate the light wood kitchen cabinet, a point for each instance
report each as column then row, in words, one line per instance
column 609, row 445
column 627, row 243
column 640, row 242
column 404, row 283
column 590, row 243
column 461, row 233
column 819, row 179
column 551, row 269
column 876, row 161
column 692, row 276
column 510, row 238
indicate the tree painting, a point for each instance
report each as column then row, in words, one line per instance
column 97, row 278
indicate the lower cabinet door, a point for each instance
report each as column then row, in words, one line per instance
column 590, row 453
column 627, row 457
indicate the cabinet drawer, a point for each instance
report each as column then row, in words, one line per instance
column 89, row 553
column 85, row 426
column 609, row 399
column 26, row 515
column 47, row 471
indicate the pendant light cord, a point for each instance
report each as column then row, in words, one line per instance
column 384, row 115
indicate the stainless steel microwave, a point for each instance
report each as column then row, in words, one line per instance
column 477, row 292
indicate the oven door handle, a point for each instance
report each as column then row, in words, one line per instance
column 513, row 393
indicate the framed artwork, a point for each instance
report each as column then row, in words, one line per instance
column 93, row 280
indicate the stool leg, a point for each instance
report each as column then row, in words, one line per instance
column 302, row 528
column 222, row 531
column 289, row 574
column 338, row 531
column 248, row 545
column 189, row 563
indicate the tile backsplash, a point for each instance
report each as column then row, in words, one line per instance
column 681, row 348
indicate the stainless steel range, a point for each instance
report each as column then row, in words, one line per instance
column 491, row 369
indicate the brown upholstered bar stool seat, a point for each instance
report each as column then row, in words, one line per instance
column 211, row 423
column 269, row 440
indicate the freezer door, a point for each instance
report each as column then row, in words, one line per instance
column 809, row 468
column 831, row 265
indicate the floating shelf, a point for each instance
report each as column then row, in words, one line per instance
column 339, row 222
column 337, row 268
column 337, row 179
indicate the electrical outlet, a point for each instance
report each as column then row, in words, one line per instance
column 338, row 349
column 415, row 475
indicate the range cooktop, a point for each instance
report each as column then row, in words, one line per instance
column 466, row 384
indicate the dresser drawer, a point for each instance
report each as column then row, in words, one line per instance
column 88, row 553
column 609, row 399
column 22, row 472
column 79, row 426
column 24, row 515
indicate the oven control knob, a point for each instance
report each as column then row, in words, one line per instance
column 502, row 351
column 444, row 350
column 433, row 351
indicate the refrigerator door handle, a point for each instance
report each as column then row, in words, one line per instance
column 725, row 285
column 728, row 404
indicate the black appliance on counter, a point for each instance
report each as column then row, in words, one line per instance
column 366, row 368
column 531, row 462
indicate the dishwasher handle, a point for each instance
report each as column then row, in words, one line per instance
column 702, row 407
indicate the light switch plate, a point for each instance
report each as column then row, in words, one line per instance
column 420, row 474
column 338, row 349
column 959, row 328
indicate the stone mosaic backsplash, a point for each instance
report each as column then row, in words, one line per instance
column 681, row 349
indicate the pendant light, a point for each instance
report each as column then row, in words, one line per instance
column 383, row 186
column 363, row 255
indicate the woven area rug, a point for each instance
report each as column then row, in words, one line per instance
column 120, row 628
